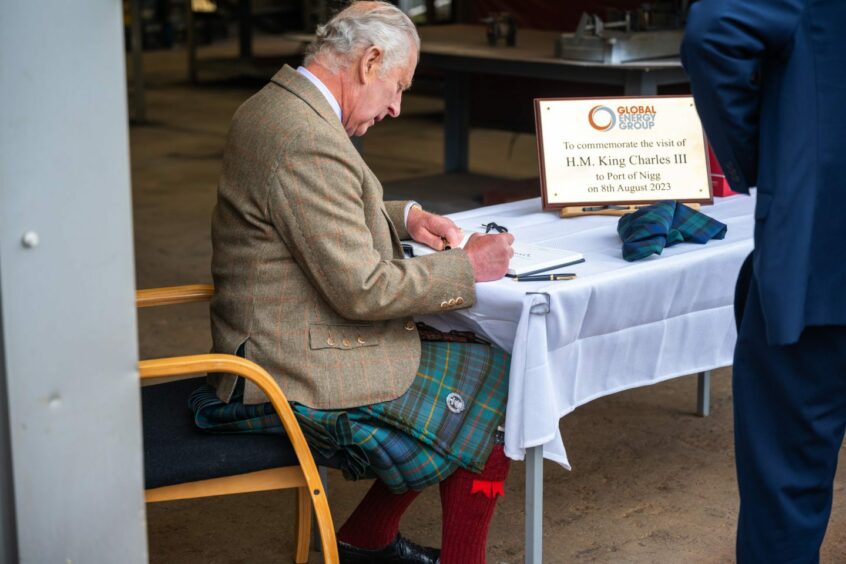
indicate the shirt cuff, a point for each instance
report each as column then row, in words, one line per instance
column 408, row 206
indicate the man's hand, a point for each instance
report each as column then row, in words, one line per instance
column 489, row 255
column 431, row 229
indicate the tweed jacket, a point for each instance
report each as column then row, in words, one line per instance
column 307, row 263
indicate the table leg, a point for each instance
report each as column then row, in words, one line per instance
column 139, row 109
column 703, row 398
column 640, row 83
column 191, row 40
column 456, row 121
column 245, row 29
column 534, row 505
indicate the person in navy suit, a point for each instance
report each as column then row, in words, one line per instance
column 769, row 81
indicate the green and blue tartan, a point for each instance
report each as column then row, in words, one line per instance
column 651, row 228
column 412, row 442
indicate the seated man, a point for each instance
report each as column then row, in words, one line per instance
column 312, row 285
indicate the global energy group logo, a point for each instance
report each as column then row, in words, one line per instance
column 605, row 122
column 603, row 118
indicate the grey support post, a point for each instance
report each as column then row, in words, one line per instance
column 8, row 528
column 71, row 480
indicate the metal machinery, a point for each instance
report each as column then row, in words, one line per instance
column 652, row 31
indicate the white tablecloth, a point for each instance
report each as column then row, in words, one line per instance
column 619, row 325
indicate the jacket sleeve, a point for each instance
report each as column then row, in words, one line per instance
column 396, row 212
column 725, row 47
column 315, row 203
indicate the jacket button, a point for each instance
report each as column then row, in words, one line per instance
column 360, row 341
column 409, row 325
column 459, row 301
column 330, row 341
column 444, row 305
column 346, row 342
column 451, row 302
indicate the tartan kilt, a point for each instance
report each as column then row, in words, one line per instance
column 447, row 419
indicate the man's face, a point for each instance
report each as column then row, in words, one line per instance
column 378, row 96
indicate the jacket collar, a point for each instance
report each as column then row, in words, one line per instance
column 300, row 86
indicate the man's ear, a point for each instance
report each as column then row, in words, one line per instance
column 369, row 64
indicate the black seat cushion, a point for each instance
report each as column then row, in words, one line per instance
column 176, row 451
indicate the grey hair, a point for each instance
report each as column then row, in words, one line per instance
column 358, row 26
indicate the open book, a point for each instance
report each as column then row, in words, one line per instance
column 527, row 259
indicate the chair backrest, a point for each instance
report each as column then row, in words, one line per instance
column 170, row 295
column 204, row 363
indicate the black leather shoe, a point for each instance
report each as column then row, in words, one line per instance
column 400, row 551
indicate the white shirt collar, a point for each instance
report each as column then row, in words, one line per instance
column 323, row 90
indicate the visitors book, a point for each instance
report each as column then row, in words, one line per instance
column 527, row 259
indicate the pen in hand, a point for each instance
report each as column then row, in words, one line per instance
column 445, row 241
column 546, row 277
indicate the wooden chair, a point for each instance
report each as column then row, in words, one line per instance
column 182, row 462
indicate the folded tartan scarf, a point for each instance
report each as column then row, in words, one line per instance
column 651, row 228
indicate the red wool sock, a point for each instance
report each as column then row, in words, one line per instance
column 375, row 522
column 468, row 502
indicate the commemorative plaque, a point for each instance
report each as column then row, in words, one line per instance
column 609, row 152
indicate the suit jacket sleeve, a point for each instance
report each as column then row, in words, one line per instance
column 396, row 212
column 725, row 48
column 315, row 202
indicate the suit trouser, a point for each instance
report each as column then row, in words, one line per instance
column 789, row 419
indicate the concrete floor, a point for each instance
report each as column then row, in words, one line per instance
column 651, row 482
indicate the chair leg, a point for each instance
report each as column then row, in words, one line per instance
column 303, row 525
column 324, row 524
column 315, row 531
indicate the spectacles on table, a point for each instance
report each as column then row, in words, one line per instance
column 493, row 226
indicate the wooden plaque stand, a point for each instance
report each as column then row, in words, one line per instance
column 576, row 211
